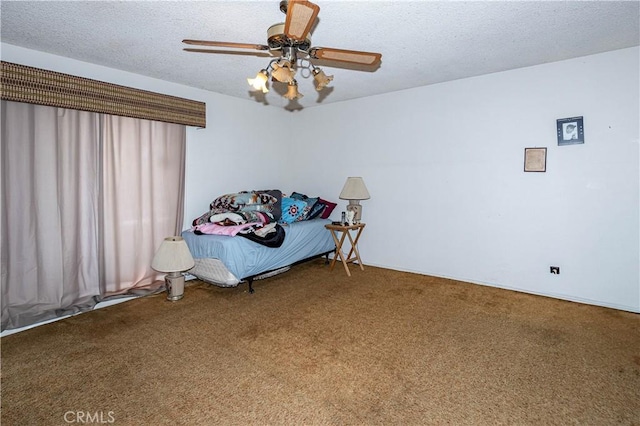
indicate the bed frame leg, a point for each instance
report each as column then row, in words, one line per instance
column 326, row 262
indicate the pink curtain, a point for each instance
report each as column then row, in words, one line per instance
column 143, row 198
column 86, row 200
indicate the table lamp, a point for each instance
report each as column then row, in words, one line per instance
column 173, row 257
column 355, row 190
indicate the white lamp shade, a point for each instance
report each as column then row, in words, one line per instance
column 354, row 189
column 173, row 256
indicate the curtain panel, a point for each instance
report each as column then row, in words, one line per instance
column 143, row 197
column 50, row 200
column 21, row 83
column 86, row 201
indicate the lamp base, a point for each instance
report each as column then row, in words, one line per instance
column 356, row 209
column 175, row 286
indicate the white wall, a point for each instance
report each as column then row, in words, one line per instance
column 444, row 166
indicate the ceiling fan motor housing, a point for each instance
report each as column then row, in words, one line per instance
column 276, row 39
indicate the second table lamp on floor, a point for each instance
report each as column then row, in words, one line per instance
column 173, row 257
column 355, row 190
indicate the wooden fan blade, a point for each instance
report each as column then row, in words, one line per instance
column 228, row 52
column 226, row 44
column 301, row 14
column 341, row 55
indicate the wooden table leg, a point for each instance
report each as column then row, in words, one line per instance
column 339, row 251
column 354, row 249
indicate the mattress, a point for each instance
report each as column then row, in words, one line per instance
column 213, row 271
column 225, row 260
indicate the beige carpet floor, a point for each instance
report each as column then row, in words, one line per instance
column 313, row 347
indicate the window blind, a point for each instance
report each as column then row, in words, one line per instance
column 21, row 83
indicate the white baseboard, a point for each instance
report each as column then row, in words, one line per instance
column 536, row 293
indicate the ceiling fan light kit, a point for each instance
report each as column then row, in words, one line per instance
column 260, row 82
column 292, row 91
column 283, row 72
column 290, row 41
column 321, row 78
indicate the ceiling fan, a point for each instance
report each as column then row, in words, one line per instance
column 289, row 42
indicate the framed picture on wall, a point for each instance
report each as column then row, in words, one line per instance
column 535, row 159
column 570, row 130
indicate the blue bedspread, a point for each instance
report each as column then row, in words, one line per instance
column 245, row 258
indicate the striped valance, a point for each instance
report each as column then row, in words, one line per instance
column 21, row 83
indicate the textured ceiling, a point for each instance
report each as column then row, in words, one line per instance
column 422, row 42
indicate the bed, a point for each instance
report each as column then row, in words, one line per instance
column 228, row 260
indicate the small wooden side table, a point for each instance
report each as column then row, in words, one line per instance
column 345, row 231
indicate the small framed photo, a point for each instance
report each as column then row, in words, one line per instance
column 570, row 130
column 535, row 159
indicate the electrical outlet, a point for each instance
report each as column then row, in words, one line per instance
column 554, row 270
